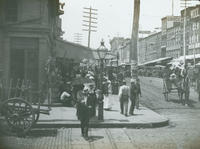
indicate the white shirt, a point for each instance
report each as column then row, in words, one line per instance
column 64, row 95
column 124, row 89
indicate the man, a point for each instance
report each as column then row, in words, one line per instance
column 123, row 98
column 133, row 89
column 198, row 83
column 138, row 93
column 83, row 109
column 92, row 100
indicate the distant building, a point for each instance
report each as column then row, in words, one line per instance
column 149, row 48
column 168, row 42
column 121, row 46
column 167, row 22
column 194, row 30
column 174, row 41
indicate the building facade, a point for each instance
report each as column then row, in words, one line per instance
column 149, row 48
column 121, row 47
column 167, row 22
column 28, row 29
column 174, row 41
column 194, row 30
column 168, row 42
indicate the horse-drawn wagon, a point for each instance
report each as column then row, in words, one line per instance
column 176, row 80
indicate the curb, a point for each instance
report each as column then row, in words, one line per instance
column 104, row 125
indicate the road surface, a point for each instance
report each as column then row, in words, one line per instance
column 183, row 131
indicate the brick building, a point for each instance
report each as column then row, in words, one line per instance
column 174, row 41
column 194, row 30
column 149, row 48
column 167, row 22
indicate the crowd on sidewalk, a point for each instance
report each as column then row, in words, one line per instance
column 85, row 93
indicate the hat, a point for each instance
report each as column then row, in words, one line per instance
column 91, row 78
column 133, row 80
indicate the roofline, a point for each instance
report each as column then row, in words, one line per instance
column 151, row 35
column 74, row 44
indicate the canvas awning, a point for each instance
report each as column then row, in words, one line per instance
column 65, row 49
column 159, row 61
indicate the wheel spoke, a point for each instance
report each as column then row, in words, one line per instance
column 19, row 114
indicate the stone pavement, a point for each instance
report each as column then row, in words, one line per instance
column 66, row 117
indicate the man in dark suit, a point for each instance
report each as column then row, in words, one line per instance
column 133, row 89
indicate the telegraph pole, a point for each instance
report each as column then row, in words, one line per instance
column 78, row 38
column 90, row 20
column 172, row 7
column 134, row 36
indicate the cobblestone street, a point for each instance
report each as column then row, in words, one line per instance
column 67, row 138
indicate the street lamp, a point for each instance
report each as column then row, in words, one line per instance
column 102, row 52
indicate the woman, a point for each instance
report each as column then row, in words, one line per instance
column 82, row 110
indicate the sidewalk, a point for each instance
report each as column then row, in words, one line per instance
column 66, row 117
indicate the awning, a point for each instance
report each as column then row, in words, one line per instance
column 163, row 60
column 189, row 57
column 108, row 56
column 65, row 49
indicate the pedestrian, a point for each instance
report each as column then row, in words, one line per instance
column 83, row 111
column 66, row 96
column 123, row 98
column 138, row 93
column 198, row 83
column 92, row 100
column 133, row 90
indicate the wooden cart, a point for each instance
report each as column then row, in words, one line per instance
column 178, row 85
column 21, row 105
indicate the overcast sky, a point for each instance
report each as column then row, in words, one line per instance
column 115, row 18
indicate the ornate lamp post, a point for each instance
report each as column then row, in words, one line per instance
column 102, row 52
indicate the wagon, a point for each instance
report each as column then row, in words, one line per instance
column 21, row 104
column 175, row 83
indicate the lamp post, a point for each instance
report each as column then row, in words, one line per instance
column 101, row 51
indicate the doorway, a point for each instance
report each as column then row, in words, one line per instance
column 24, row 56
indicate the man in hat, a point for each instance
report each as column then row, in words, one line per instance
column 124, row 97
column 133, row 93
column 138, row 92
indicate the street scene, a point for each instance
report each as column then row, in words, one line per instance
column 65, row 85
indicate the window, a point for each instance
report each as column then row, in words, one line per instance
column 11, row 10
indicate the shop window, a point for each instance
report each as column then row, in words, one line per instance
column 11, row 9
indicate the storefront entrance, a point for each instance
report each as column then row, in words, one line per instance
column 24, row 60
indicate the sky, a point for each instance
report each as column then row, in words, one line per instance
column 115, row 18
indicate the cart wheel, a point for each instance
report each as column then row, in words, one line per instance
column 19, row 115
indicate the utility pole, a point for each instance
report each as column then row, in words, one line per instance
column 78, row 38
column 134, row 36
column 90, row 19
column 172, row 7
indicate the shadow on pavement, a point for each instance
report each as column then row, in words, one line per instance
column 191, row 103
column 42, row 133
column 136, row 114
column 175, row 100
column 94, row 138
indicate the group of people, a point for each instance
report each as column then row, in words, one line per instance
column 131, row 93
